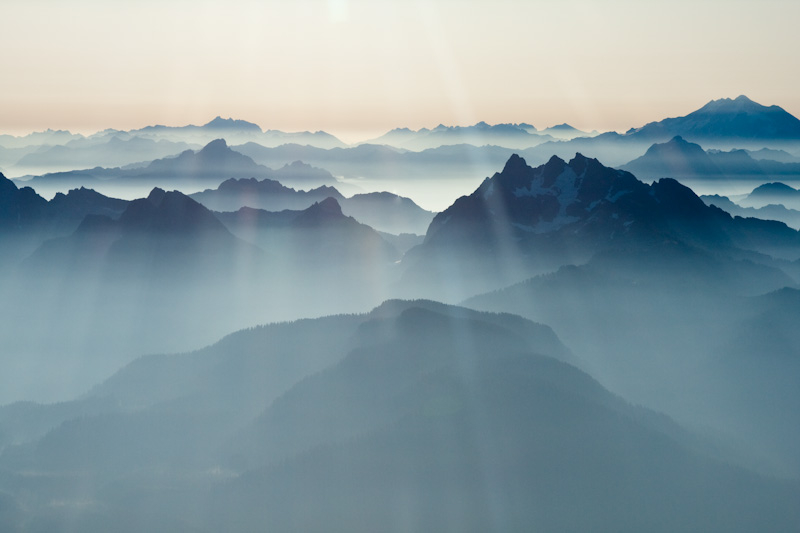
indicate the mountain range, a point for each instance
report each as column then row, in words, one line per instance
column 723, row 124
column 60, row 151
column 212, row 164
column 608, row 354
column 460, row 155
column 526, row 220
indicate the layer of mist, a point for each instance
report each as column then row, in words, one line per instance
column 211, row 328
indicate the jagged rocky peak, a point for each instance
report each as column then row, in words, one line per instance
column 328, row 206
column 6, row 184
column 156, row 196
column 326, row 211
column 542, row 199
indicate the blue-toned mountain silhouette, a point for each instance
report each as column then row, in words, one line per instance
column 721, row 124
column 525, row 220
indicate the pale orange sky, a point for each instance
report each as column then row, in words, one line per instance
column 357, row 68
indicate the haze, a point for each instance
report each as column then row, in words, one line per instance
column 357, row 68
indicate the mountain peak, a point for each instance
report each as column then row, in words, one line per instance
column 320, row 213
column 229, row 123
column 564, row 127
column 726, row 119
column 579, row 159
column 514, row 163
column 6, row 184
column 214, row 147
column 739, row 104
column 328, row 206
column 156, row 196
column 580, row 162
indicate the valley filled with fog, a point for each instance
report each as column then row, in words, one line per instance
column 461, row 328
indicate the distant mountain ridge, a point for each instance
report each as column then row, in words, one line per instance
column 238, row 131
column 739, row 118
column 506, row 135
column 773, row 193
column 62, row 151
column 681, row 159
column 383, row 211
column 190, row 170
column 721, row 124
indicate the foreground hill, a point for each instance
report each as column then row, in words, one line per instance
column 407, row 417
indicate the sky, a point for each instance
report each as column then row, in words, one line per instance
column 357, row 68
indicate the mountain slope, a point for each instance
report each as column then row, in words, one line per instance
column 665, row 328
column 320, row 234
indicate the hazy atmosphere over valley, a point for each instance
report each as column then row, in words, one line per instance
column 435, row 265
